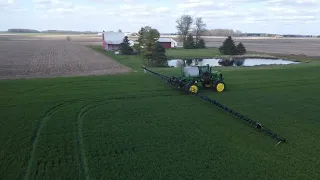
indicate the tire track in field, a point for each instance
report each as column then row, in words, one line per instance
column 84, row 168
column 37, row 131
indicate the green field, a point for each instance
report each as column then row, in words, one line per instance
column 135, row 126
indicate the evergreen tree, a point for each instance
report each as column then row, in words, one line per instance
column 189, row 42
column 125, row 47
column 159, row 57
column 241, row 49
column 201, row 44
column 228, row 47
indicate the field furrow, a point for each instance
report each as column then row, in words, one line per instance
column 21, row 59
column 38, row 131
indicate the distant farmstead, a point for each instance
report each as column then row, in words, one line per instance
column 111, row 40
column 167, row 42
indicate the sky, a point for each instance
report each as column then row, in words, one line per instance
column 260, row 16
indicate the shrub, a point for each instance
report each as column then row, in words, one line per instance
column 201, row 44
column 189, row 42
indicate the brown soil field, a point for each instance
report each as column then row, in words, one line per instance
column 45, row 58
column 287, row 46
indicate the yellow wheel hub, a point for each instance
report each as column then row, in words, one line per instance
column 193, row 89
column 220, row 87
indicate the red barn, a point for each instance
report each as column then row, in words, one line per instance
column 111, row 40
column 167, row 42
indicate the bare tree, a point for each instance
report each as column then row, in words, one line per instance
column 222, row 32
column 199, row 28
column 238, row 33
column 184, row 26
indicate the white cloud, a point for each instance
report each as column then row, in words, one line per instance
column 5, row 3
column 161, row 10
column 132, row 14
column 57, row 6
column 190, row 4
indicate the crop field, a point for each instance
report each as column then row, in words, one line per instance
column 28, row 59
column 124, row 124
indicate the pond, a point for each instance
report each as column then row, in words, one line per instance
column 221, row 62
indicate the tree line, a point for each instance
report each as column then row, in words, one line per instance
column 188, row 27
column 186, row 31
column 19, row 30
column 23, row 31
column 222, row 32
column 154, row 54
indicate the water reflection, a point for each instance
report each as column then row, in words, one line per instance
column 227, row 62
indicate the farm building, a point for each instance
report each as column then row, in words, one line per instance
column 167, row 42
column 111, row 40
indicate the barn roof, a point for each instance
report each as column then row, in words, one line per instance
column 113, row 37
column 163, row 39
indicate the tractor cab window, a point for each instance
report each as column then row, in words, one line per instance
column 204, row 70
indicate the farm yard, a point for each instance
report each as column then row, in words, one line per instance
column 125, row 124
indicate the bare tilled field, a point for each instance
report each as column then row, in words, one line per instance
column 27, row 59
column 296, row 46
column 287, row 46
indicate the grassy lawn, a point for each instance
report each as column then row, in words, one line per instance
column 135, row 126
column 180, row 53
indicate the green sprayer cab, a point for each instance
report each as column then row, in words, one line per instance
column 205, row 75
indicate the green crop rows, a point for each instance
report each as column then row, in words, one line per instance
column 137, row 127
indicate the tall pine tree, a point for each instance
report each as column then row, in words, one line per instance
column 159, row 58
column 241, row 49
column 125, row 48
column 228, row 47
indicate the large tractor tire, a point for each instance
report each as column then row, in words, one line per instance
column 192, row 88
column 219, row 86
